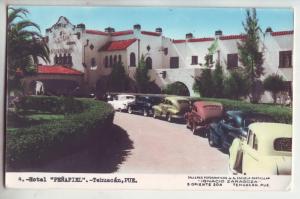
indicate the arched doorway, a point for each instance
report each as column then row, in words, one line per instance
column 149, row 62
column 177, row 88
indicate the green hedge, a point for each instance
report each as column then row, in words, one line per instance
column 34, row 145
column 50, row 104
column 278, row 113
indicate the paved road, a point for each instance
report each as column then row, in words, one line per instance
column 163, row 147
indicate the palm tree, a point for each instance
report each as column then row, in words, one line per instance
column 25, row 46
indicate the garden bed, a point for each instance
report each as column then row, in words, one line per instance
column 58, row 134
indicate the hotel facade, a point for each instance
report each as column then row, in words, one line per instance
column 83, row 58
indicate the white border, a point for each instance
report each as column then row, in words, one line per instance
column 30, row 193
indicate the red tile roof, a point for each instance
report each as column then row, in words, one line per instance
column 120, row 33
column 177, row 41
column 279, row 33
column 57, row 70
column 151, row 33
column 228, row 37
column 201, row 39
column 117, row 45
column 96, row 32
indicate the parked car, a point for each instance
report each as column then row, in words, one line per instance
column 143, row 104
column 267, row 150
column 233, row 125
column 201, row 113
column 121, row 101
column 171, row 107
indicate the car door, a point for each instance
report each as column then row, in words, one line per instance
column 230, row 128
column 194, row 114
column 250, row 155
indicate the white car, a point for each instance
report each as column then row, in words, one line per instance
column 120, row 102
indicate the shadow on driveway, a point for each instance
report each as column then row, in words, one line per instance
column 103, row 155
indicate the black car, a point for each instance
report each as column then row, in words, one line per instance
column 233, row 125
column 143, row 104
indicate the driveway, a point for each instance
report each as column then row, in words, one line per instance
column 163, row 147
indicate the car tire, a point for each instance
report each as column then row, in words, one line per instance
column 211, row 141
column 169, row 117
column 154, row 114
column 188, row 125
column 194, row 129
column 129, row 110
column 145, row 112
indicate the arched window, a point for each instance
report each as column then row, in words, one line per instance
column 120, row 59
column 55, row 59
column 70, row 62
column 59, row 60
column 110, row 61
column 64, row 59
column 93, row 62
column 115, row 59
column 149, row 62
column 106, row 61
column 132, row 59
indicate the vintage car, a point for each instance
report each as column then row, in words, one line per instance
column 172, row 107
column 233, row 125
column 143, row 104
column 201, row 113
column 121, row 101
column 267, row 150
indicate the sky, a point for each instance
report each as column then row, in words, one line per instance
column 175, row 22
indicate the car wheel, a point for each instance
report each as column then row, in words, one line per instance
column 211, row 141
column 169, row 117
column 145, row 113
column 129, row 110
column 154, row 114
column 194, row 128
column 188, row 124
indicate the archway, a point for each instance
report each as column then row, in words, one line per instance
column 177, row 88
column 149, row 62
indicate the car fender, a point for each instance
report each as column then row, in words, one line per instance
column 235, row 155
column 157, row 108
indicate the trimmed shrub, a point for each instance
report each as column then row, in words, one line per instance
column 278, row 113
column 50, row 104
column 37, row 144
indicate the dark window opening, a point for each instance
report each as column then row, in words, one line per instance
column 115, row 59
column 174, row 62
column 110, row 61
column 149, row 62
column 285, row 59
column 120, row 59
column 132, row 59
column 55, row 59
column 69, row 60
column 106, row 61
column 194, row 60
column 232, row 61
column 93, row 62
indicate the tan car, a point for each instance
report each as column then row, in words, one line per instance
column 172, row 107
column 267, row 150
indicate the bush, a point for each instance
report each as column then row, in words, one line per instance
column 274, row 83
column 278, row 113
column 236, row 86
column 50, row 104
column 36, row 144
column 204, row 85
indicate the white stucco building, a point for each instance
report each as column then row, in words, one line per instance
column 92, row 52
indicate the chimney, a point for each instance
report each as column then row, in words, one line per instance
column 109, row 30
column 158, row 30
column 81, row 25
column 268, row 31
column 189, row 35
column 137, row 27
column 218, row 33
